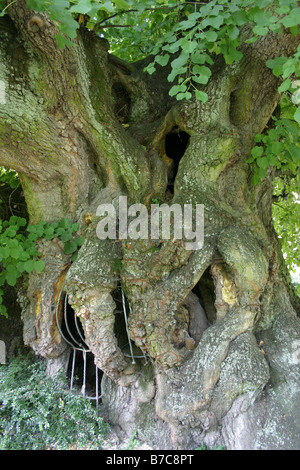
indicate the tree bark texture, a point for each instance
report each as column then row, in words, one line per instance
column 216, row 325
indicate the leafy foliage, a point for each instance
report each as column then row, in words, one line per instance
column 278, row 148
column 18, row 247
column 11, row 195
column 38, row 413
column 286, row 216
column 194, row 31
column 9, row 177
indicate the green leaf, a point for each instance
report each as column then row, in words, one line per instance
column 214, row 21
column 79, row 241
column 108, row 6
column 211, row 36
column 294, row 151
column 22, row 222
column 59, row 231
column 175, row 72
column 83, row 7
column 20, row 267
column 62, row 41
column 201, row 96
column 230, row 53
column 13, row 220
column 297, row 115
column 28, row 265
column 16, row 252
column 162, row 59
column 233, row 32
column 188, row 46
column 150, row 69
column 180, row 61
column 121, row 4
column 293, row 19
column 199, row 58
column 65, row 223
column 49, row 233
column 239, row 17
column 3, row 310
column 260, row 30
column 285, row 85
column 39, row 266
column 263, row 18
column 261, row 172
column 66, row 236
column 277, row 147
column 276, row 65
column 4, row 252
column 202, row 74
column 187, row 95
column 289, row 67
column 35, row 5
column 11, row 232
column 70, row 247
column 257, row 151
column 11, row 278
column 263, row 162
column 282, row 10
column 189, row 23
column 177, row 89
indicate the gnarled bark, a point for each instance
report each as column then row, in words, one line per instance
column 84, row 128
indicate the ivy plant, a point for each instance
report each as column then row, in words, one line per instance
column 39, row 413
column 18, row 247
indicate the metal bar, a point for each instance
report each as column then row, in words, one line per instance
column 78, row 329
column 126, row 324
column 81, row 348
column 73, row 368
column 97, row 388
column 57, row 322
column 66, row 322
column 84, row 374
column 144, row 355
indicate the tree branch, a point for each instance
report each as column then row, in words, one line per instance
column 255, row 92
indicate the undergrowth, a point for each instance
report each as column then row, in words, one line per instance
column 39, row 413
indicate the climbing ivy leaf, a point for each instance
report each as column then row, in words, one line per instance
column 297, row 115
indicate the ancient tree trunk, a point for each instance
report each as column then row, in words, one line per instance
column 217, row 325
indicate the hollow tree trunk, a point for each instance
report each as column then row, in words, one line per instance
column 217, row 324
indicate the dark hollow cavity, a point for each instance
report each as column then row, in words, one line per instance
column 176, row 143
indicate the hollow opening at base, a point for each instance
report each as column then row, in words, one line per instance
column 122, row 313
column 83, row 376
column 71, row 328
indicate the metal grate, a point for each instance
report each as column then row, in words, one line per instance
column 78, row 346
column 132, row 355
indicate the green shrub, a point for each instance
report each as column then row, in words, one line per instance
column 37, row 412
